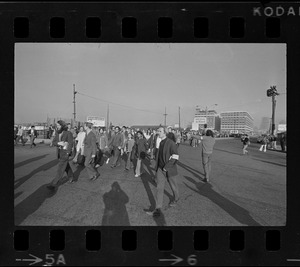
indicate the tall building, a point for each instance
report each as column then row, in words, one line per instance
column 236, row 122
column 209, row 117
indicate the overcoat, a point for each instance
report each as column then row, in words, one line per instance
column 90, row 147
column 170, row 157
column 65, row 137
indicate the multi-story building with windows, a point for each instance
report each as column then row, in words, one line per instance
column 236, row 122
column 209, row 117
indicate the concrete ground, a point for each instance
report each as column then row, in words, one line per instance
column 245, row 190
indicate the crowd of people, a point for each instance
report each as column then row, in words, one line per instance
column 93, row 147
column 23, row 135
column 269, row 141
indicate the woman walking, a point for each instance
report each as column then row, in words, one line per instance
column 80, row 145
column 264, row 143
column 141, row 148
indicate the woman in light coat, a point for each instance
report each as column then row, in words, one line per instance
column 80, row 144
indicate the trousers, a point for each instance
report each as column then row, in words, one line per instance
column 90, row 166
column 63, row 166
column 162, row 176
column 128, row 160
column 206, row 163
column 116, row 158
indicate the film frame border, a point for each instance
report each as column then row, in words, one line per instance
column 111, row 14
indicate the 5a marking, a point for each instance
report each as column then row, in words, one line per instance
column 50, row 259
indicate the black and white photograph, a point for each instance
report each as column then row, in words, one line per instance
column 150, row 134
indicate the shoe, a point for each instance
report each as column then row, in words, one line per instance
column 154, row 213
column 173, row 203
column 107, row 161
column 97, row 166
column 137, row 175
column 71, row 181
column 51, row 187
column 205, row 180
column 126, row 169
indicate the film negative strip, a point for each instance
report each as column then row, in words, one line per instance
column 211, row 71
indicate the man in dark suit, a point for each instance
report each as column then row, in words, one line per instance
column 33, row 134
column 63, row 140
column 166, row 169
column 90, row 149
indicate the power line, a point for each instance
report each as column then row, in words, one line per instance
column 106, row 101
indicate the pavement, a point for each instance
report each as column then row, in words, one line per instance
column 245, row 190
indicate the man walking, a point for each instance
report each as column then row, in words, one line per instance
column 64, row 141
column 117, row 143
column 20, row 135
column 90, row 149
column 246, row 143
column 33, row 135
column 208, row 142
column 166, row 169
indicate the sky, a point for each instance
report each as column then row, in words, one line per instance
column 138, row 80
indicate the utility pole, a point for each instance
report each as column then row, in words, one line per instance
column 272, row 92
column 165, row 117
column 179, row 117
column 74, row 93
column 107, row 115
column 206, row 116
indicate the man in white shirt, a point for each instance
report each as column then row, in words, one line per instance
column 33, row 135
column 20, row 136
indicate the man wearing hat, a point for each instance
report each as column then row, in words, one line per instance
column 90, row 149
column 63, row 140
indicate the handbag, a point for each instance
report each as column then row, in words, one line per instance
column 81, row 159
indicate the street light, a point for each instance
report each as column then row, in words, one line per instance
column 272, row 92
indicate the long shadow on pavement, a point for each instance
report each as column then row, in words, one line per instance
column 230, row 152
column 27, row 161
column 31, row 203
column 191, row 170
column 234, row 210
column 44, row 167
column 115, row 213
column 270, row 162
